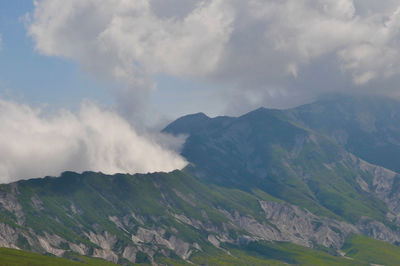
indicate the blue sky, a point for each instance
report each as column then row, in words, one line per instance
column 35, row 79
column 55, row 82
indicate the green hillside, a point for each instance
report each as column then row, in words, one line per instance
column 372, row 251
column 13, row 257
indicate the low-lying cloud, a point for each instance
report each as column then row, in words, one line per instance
column 34, row 145
column 275, row 48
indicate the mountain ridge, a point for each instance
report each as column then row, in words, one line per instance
column 260, row 187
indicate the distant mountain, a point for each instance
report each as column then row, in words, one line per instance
column 266, row 150
column 276, row 187
column 367, row 126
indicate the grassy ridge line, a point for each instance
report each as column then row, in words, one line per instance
column 11, row 257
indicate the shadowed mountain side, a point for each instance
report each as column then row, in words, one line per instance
column 264, row 150
column 367, row 126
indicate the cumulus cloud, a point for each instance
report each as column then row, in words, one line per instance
column 126, row 41
column 275, row 46
column 34, row 145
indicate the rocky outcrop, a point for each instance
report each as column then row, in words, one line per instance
column 9, row 202
column 284, row 222
column 105, row 240
column 8, row 236
column 147, row 236
column 385, row 185
column 302, row 227
column 378, row 230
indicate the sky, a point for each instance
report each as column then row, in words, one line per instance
column 134, row 65
column 57, row 82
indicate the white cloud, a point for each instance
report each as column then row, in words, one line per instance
column 131, row 35
column 254, row 44
column 35, row 145
column 125, row 41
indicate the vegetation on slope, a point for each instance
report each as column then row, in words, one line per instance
column 264, row 150
column 372, row 250
column 14, row 257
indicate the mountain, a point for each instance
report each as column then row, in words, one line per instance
column 367, row 126
column 266, row 150
column 154, row 218
column 269, row 187
column 166, row 218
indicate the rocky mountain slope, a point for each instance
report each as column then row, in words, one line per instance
column 265, row 150
column 269, row 187
column 367, row 126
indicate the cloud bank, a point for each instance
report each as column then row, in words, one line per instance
column 35, row 145
column 275, row 48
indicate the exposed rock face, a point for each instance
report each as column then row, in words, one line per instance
column 180, row 247
column 80, row 249
column 8, row 236
column 37, row 203
column 106, row 240
column 378, row 230
column 304, row 228
column 130, row 253
column 105, row 254
column 47, row 244
column 289, row 223
column 9, row 202
column 384, row 184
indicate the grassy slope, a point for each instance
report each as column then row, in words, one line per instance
column 360, row 250
column 11, row 257
column 154, row 197
column 100, row 196
column 372, row 251
column 267, row 253
column 294, row 254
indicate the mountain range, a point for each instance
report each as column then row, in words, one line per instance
column 318, row 184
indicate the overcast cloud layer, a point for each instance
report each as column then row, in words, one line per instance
column 35, row 145
column 262, row 49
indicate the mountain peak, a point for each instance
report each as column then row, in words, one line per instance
column 187, row 124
